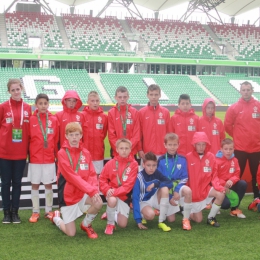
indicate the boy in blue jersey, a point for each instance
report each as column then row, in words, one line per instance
column 174, row 167
column 151, row 190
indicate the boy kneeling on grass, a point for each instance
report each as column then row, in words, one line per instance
column 151, row 190
column 77, row 185
column 116, row 182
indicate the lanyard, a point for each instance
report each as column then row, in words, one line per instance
column 45, row 135
column 71, row 162
column 21, row 122
column 123, row 175
column 167, row 165
column 123, row 121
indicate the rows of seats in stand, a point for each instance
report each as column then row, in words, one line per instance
column 221, row 88
column 175, row 39
column 172, row 85
column 245, row 39
column 94, row 34
column 78, row 80
column 20, row 24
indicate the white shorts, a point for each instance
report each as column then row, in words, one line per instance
column 199, row 206
column 98, row 165
column 45, row 173
column 122, row 208
column 153, row 202
column 70, row 213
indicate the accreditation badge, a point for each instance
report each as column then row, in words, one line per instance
column 232, row 170
column 84, row 166
column 255, row 115
column 129, row 121
column 50, row 130
column 125, row 178
column 99, row 126
column 17, row 134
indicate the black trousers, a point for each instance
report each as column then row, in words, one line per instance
column 253, row 160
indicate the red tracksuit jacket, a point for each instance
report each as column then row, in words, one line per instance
column 108, row 177
column 94, row 132
column 71, row 185
column 202, row 171
column 154, row 122
column 228, row 169
column 184, row 125
column 8, row 149
column 115, row 128
column 242, row 122
column 69, row 115
column 213, row 127
column 39, row 154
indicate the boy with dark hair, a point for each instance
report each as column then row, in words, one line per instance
column 71, row 104
column 174, row 167
column 43, row 150
column 151, row 191
column 116, row 182
column 211, row 125
column 95, row 130
column 229, row 177
column 203, row 180
column 184, row 123
column 77, row 185
column 123, row 121
column 154, row 123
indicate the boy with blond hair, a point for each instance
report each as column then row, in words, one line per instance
column 174, row 166
column 116, row 182
column 77, row 185
column 95, row 130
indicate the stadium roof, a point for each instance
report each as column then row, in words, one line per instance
column 229, row 7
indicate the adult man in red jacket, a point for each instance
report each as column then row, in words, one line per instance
column 242, row 122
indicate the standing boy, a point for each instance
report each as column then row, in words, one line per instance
column 71, row 103
column 123, row 121
column 184, row 123
column 43, row 150
column 211, row 125
column 95, row 130
column 77, row 185
column 151, row 191
column 116, row 182
column 174, row 166
column 154, row 123
column 229, row 176
column 203, row 180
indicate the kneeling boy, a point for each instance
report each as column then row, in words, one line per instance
column 77, row 185
column 151, row 190
column 203, row 180
column 174, row 166
column 116, row 182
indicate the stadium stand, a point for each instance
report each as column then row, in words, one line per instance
column 172, row 86
column 94, row 34
column 175, row 39
column 44, row 79
column 245, row 39
column 18, row 24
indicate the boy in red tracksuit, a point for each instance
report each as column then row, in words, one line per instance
column 203, row 180
column 95, row 130
column 71, row 103
column 123, row 121
column 211, row 125
column 154, row 122
column 229, row 176
column 184, row 123
column 116, row 181
column 43, row 149
column 77, row 185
